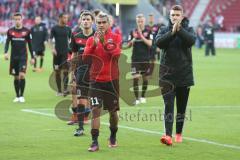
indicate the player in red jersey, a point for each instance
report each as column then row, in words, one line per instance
column 103, row 50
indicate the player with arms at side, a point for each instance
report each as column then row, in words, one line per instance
column 81, row 70
column 39, row 40
column 18, row 36
column 61, row 36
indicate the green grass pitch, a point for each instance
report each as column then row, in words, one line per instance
column 211, row 132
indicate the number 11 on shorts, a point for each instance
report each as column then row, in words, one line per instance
column 94, row 101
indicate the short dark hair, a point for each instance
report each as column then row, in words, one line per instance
column 96, row 12
column 17, row 14
column 62, row 14
column 87, row 13
column 177, row 8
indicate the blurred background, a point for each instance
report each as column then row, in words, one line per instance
column 223, row 14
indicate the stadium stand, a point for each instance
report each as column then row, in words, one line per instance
column 49, row 10
column 229, row 9
column 164, row 5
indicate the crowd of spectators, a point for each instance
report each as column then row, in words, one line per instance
column 47, row 9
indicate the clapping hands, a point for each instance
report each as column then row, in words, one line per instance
column 176, row 26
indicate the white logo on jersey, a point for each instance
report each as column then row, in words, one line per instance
column 56, row 67
column 13, row 71
column 129, row 37
column 151, row 36
column 110, row 40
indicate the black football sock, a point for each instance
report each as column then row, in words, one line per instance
column 144, row 87
column 35, row 64
column 41, row 62
column 58, row 81
column 22, row 83
column 95, row 134
column 16, row 86
column 135, row 87
column 113, row 132
column 80, row 113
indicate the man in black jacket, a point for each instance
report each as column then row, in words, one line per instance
column 176, row 41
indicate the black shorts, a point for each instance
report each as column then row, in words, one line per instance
column 60, row 62
column 105, row 94
column 40, row 53
column 142, row 68
column 82, row 81
column 17, row 65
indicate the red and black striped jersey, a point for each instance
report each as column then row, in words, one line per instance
column 78, row 40
column 19, row 39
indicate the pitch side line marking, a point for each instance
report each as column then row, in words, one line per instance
column 160, row 107
column 146, row 131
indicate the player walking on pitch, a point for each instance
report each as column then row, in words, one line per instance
column 103, row 49
column 18, row 36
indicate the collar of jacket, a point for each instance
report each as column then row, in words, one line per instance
column 185, row 23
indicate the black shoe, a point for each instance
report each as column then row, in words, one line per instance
column 79, row 132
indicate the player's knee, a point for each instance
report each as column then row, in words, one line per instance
column 96, row 111
column 21, row 75
column 113, row 114
column 135, row 79
column 57, row 71
column 145, row 78
column 16, row 77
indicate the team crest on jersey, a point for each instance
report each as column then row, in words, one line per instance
column 12, row 33
column 78, row 41
column 110, row 40
column 24, row 33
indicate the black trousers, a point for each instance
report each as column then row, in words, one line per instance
column 210, row 47
column 181, row 94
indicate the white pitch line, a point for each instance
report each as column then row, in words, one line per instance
column 37, row 112
column 147, row 131
column 160, row 107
